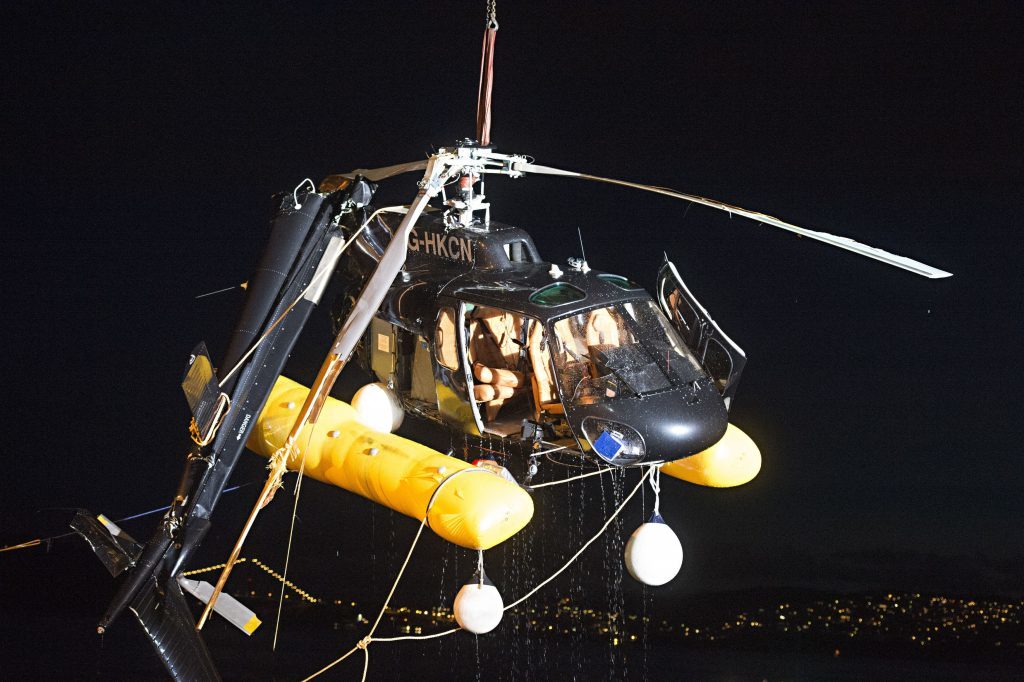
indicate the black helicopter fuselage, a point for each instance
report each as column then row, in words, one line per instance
column 587, row 355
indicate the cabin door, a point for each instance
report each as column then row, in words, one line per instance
column 722, row 359
column 451, row 371
column 496, row 357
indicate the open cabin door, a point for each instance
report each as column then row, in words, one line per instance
column 452, row 373
column 722, row 359
column 499, row 369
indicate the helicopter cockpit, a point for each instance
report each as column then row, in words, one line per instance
column 587, row 358
column 619, row 351
column 610, row 368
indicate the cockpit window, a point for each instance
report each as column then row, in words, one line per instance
column 559, row 293
column 518, row 252
column 619, row 351
column 620, row 281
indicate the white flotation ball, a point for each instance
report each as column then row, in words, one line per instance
column 478, row 607
column 378, row 407
column 653, row 553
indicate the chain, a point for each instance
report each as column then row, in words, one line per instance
column 492, row 14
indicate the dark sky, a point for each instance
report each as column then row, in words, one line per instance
column 143, row 146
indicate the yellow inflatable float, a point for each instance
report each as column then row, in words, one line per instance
column 467, row 505
column 732, row 461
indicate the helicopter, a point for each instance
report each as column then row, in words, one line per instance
column 461, row 322
column 480, row 335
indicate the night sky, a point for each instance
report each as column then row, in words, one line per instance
column 143, row 145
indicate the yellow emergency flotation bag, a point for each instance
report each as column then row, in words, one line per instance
column 477, row 509
column 732, row 461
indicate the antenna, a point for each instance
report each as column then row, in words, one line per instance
column 582, row 251
column 580, row 263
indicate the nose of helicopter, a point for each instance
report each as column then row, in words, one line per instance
column 664, row 426
column 684, row 422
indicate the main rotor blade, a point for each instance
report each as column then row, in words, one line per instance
column 842, row 242
column 385, row 172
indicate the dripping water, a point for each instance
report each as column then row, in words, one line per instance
column 476, row 646
column 606, row 575
column 647, row 598
column 580, row 573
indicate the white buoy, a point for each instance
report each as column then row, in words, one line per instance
column 378, row 407
column 478, row 606
column 654, row 554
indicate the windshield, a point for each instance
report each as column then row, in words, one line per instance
column 619, row 351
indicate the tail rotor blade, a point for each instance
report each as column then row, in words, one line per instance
column 845, row 243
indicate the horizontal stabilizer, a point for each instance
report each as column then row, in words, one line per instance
column 170, row 626
column 234, row 611
column 202, row 391
column 112, row 546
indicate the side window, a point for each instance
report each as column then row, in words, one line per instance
column 719, row 364
column 722, row 358
column 558, row 293
column 446, row 339
column 684, row 316
column 517, row 252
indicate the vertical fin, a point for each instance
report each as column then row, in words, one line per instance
column 169, row 625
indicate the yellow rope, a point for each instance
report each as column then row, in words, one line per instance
column 23, row 545
column 222, row 407
column 364, row 643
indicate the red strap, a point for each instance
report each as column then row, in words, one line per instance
column 483, row 103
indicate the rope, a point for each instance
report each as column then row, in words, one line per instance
column 549, row 451
column 588, row 543
column 365, row 642
column 29, row 543
column 433, row 496
column 435, row 635
column 573, row 478
column 288, row 552
column 222, row 406
column 38, row 541
column 295, row 192
column 218, row 291
column 656, row 485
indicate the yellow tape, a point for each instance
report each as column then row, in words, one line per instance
column 251, row 625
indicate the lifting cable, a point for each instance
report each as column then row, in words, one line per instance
column 483, row 96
